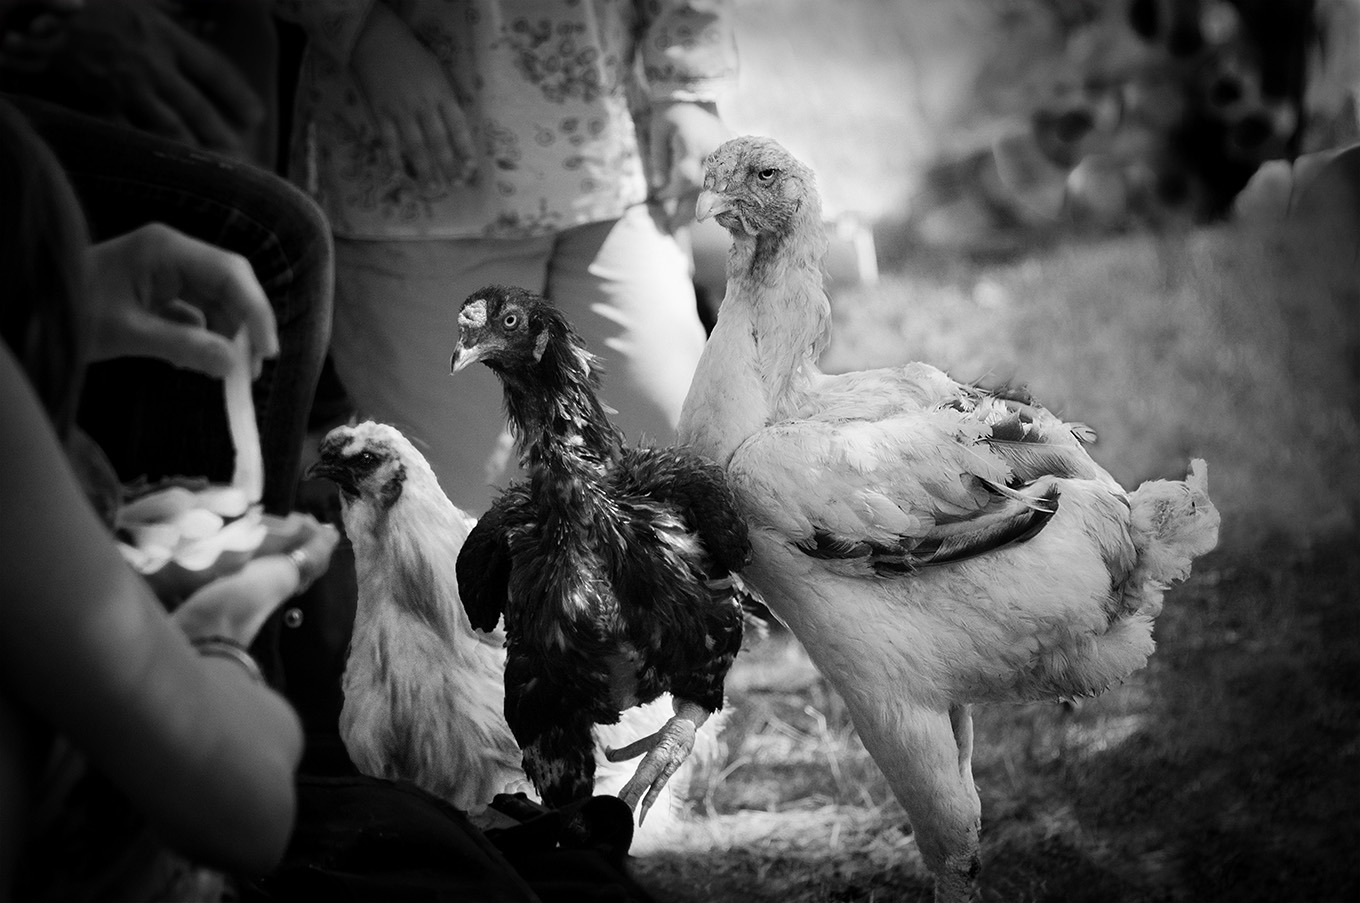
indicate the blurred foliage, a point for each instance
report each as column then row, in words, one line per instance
column 1138, row 113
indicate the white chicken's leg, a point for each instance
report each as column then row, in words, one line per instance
column 961, row 721
column 927, row 758
column 666, row 751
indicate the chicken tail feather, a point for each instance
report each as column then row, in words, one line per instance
column 1174, row 522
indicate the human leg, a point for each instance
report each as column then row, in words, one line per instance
column 625, row 285
column 395, row 327
column 150, row 418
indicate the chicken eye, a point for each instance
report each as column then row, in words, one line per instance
column 511, row 321
column 766, row 175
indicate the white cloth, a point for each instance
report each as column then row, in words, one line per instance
column 548, row 89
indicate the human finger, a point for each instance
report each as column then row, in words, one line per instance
column 199, row 113
column 312, row 557
column 685, row 177
column 220, row 283
column 236, row 605
column 187, row 346
column 179, row 311
column 32, row 19
column 438, row 143
column 20, row 52
column 391, row 141
column 218, row 80
column 43, row 25
column 673, row 214
column 413, row 147
column 460, row 136
column 263, row 584
column 658, row 158
column 144, row 108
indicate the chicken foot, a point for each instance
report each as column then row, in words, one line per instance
column 666, row 751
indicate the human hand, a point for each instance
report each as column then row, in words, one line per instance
column 142, row 67
column 31, row 31
column 419, row 118
column 682, row 135
column 237, row 605
column 156, row 292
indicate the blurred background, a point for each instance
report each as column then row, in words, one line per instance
column 930, row 110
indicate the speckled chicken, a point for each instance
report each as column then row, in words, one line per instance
column 613, row 565
column 932, row 545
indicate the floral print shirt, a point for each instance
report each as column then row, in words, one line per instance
column 549, row 88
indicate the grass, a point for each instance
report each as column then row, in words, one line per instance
column 1229, row 769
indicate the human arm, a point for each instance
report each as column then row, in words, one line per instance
column 206, row 753
column 131, row 61
column 156, row 292
column 682, row 134
column 689, row 59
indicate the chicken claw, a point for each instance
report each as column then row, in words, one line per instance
column 666, row 751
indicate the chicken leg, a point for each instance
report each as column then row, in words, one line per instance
column 552, row 722
column 666, row 751
column 926, row 755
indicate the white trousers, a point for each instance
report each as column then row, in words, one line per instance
column 624, row 286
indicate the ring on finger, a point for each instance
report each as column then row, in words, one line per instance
column 307, row 570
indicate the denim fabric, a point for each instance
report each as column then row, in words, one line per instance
column 153, row 419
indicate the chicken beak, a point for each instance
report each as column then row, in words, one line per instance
column 464, row 357
column 710, row 203
column 334, row 470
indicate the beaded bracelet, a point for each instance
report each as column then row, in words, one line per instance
column 226, row 647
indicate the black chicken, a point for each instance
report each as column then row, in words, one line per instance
column 613, row 566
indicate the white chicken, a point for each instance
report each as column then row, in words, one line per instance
column 930, row 544
column 423, row 691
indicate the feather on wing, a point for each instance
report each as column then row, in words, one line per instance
column 889, row 496
column 698, row 490
column 484, row 560
column 1031, row 440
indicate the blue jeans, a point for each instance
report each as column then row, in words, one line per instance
column 150, row 418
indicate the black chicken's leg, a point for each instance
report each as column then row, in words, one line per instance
column 560, row 760
column 666, row 750
column 553, row 729
column 695, row 695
